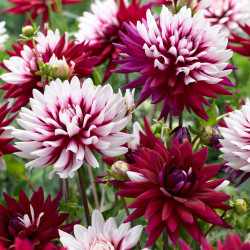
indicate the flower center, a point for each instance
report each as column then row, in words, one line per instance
column 102, row 244
column 176, row 180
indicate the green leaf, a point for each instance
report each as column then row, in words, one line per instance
column 213, row 113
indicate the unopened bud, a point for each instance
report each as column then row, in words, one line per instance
column 28, row 31
column 60, row 70
column 240, row 206
column 119, row 170
column 182, row 135
column 210, row 136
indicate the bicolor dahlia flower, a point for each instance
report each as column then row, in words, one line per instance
column 181, row 59
column 235, row 145
column 5, row 135
column 36, row 220
column 234, row 174
column 68, row 122
column 3, row 36
column 229, row 14
column 243, row 42
column 102, row 235
column 232, row 241
column 173, row 188
column 101, row 27
column 22, row 64
column 36, row 8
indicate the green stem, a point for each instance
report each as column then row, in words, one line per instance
column 84, row 196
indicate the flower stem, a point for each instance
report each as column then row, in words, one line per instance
column 93, row 187
column 170, row 122
column 84, row 197
column 197, row 146
column 165, row 240
column 235, row 77
column 35, row 48
column 180, row 120
column 66, row 190
column 154, row 113
column 128, row 214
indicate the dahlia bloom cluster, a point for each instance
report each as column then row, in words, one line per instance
column 23, row 64
column 68, row 122
column 101, row 27
column 101, row 235
column 36, row 7
column 173, row 188
column 5, row 135
column 229, row 14
column 235, row 145
column 3, row 36
column 36, row 220
column 181, row 60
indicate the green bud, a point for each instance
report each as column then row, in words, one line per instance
column 210, row 136
column 240, row 206
column 119, row 170
column 28, row 31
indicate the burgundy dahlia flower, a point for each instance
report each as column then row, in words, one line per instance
column 232, row 241
column 229, row 14
column 173, row 188
column 22, row 64
column 5, row 135
column 101, row 27
column 181, row 60
column 35, row 220
column 68, row 122
column 243, row 42
column 37, row 7
column 26, row 244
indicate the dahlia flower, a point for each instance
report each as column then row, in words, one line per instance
column 35, row 220
column 172, row 188
column 25, row 244
column 101, row 235
column 101, row 27
column 181, row 59
column 235, row 145
column 5, row 135
column 36, row 7
column 3, row 36
column 22, row 64
column 69, row 121
column 232, row 241
column 234, row 174
column 229, row 14
column 244, row 42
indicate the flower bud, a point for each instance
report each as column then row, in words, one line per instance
column 60, row 70
column 240, row 206
column 210, row 136
column 28, row 31
column 119, row 170
column 194, row 5
column 182, row 135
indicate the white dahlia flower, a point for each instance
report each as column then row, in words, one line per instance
column 3, row 36
column 68, row 122
column 235, row 145
column 101, row 235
